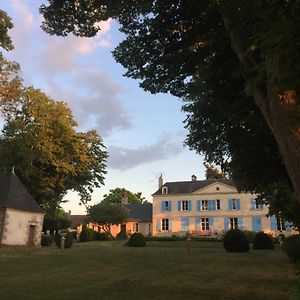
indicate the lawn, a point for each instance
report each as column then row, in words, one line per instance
column 162, row 270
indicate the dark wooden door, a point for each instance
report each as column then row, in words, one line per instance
column 31, row 235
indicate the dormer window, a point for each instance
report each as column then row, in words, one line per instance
column 164, row 190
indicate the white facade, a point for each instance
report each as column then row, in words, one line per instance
column 210, row 210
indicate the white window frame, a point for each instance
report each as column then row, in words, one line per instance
column 204, row 224
column 184, row 205
column 233, row 223
column 164, row 190
column 136, row 227
column 280, row 224
column 165, row 224
column 204, row 205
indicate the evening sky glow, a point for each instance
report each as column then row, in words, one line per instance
column 143, row 133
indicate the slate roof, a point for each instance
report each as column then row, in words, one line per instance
column 13, row 194
column 78, row 220
column 140, row 212
column 188, row 187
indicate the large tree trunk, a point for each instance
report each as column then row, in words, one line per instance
column 281, row 111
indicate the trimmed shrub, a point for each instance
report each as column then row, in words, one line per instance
column 291, row 246
column 137, row 240
column 122, row 235
column 86, row 235
column 263, row 241
column 68, row 240
column 104, row 236
column 250, row 235
column 46, row 240
column 235, row 241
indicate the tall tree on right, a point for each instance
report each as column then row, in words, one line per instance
column 171, row 46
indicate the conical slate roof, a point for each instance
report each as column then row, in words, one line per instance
column 13, row 194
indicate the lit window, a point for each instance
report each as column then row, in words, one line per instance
column 204, row 205
column 204, row 224
column 233, row 223
column 165, row 224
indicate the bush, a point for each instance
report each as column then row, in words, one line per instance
column 87, row 235
column 68, row 240
column 104, row 236
column 263, row 241
column 46, row 240
column 137, row 240
column 122, row 235
column 291, row 246
column 235, row 241
column 250, row 235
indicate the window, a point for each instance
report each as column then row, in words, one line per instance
column 234, row 203
column 165, row 224
column 164, row 190
column 185, row 224
column 204, row 205
column 184, row 205
column 204, row 224
column 233, row 223
column 280, row 224
column 166, row 205
column 136, row 227
column 218, row 205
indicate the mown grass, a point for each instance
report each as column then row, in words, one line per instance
column 162, row 270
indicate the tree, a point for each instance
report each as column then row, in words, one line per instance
column 115, row 196
column 55, row 220
column 107, row 214
column 40, row 140
column 212, row 172
column 170, row 45
column 5, row 25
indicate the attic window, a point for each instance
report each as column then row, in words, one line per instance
column 164, row 190
column 217, row 188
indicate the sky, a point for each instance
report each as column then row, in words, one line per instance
column 144, row 133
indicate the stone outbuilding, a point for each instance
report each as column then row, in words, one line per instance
column 21, row 218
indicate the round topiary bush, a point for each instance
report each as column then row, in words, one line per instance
column 46, row 240
column 235, row 241
column 291, row 246
column 104, row 236
column 68, row 240
column 86, row 235
column 137, row 240
column 263, row 241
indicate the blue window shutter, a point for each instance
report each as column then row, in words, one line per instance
column 240, row 223
column 211, row 222
column 190, row 205
column 209, row 204
column 170, row 205
column 238, row 204
column 252, row 202
column 198, row 222
column 170, row 224
column 273, row 223
column 256, row 224
column 198, row 205
column 261, row 206
column 163, row 206
column 230, row 204
column 179, row 205
column 182, row 223
column 226, row 223
column 288, row 226
column 158, row 225
column 213, row 204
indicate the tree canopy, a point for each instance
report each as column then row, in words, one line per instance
column 212, row 172
column 40, row 139
column 237, row 59
column 107, row 214
column 115, row 196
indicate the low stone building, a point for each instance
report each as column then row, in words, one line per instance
column 21, row 218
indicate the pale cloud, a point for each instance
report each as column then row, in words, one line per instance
column 124, row 158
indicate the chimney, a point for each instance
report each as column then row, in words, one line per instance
column 124, row 199
column 194, row 178
column 160, row 181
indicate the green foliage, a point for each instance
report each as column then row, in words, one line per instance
column 56, row 220
column 263, row 241
column 250, row 235
column 106, row 214
column 104, row 236
column 212, row 172
column 122, row 235
column 68, row 240
column 39, row 138
column 137, row 240
column 87, row 235
column 47, row 240
column 235, row 241
column 291, row 246
column 5, row 25
column 116, row 195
